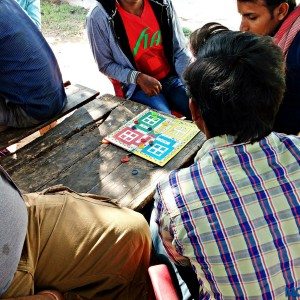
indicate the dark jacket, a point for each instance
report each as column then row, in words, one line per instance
column 288, row 117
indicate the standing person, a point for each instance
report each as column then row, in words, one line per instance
column 33, row 9
column 141, row 44
column 81, row 245
column 31, row 87
column 281, row 20
column 233, row 215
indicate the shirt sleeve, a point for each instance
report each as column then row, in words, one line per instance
column 33, row 9
column 167, row 230
column 98, row 32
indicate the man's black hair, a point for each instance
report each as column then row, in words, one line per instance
column 238, row 83
column 272, row 4
column 201, row 35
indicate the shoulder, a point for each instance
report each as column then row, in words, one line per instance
column 286, row 139
column 293, row 57
column 176, row 185
column 97, row 13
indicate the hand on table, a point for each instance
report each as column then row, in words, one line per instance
column 148, row 84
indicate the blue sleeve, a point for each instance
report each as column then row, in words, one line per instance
column 105, row 51
column 33, row 9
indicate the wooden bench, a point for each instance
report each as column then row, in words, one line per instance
column 77, row 96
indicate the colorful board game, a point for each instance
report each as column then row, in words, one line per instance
column 154, row 136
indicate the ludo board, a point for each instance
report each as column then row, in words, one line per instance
column 154, row 136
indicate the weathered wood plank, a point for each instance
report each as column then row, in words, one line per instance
column 143, row 193
column 86, row 173
column 135, row 191
column 77, row 96
column 74, row 156
column 44, row 159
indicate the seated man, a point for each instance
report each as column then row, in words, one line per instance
column 280, row 19
column 234, row 214
column 81, row 245
column 141, row 44
column 31, row 88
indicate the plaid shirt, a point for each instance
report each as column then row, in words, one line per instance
column 235, row 216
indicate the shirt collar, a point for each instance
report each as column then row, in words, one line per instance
column 219, row 142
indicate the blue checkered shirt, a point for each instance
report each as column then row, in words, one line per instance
column 234, row 215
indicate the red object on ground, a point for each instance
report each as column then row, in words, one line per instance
column 117, row 87
column 4, row 152
column 125, row 159
column 104, row 141
column 162, row 283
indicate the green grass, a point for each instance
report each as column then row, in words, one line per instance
column 187, row 32
column 62, row 20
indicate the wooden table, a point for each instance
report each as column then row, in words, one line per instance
column 72, row 154
column 77, row 95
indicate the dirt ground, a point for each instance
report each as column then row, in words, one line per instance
column 77, row 64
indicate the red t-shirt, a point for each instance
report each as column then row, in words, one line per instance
column 145, row 41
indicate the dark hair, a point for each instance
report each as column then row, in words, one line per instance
column 238, row 82
column 272, row 4
column 201, row 35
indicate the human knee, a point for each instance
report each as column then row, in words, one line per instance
column 136, row 227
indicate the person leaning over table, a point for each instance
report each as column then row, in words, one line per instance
column 31, row 87
column 281, row 20
column 233, row 215
column 81, row 245
column 140, row 44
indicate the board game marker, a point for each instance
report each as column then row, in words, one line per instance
column 143, row 140
column 135, row 172
column 154, row 115
column 133, row 127
column 125, row 159
column 105, row 141
column 141, row 146
column 136, row 121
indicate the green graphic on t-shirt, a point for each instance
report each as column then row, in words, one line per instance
column 144, row 36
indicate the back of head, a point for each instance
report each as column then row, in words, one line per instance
column 201, row 35
column 272, row 4
column 238, row 84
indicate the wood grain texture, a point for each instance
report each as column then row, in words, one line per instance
column 72, row 154
column 77, row 95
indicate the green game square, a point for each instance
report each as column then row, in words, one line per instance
column 143, row 125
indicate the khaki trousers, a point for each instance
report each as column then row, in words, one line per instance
column 84, row 245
